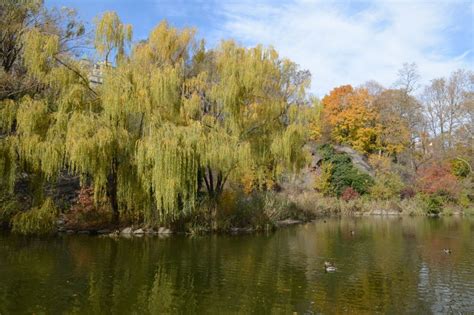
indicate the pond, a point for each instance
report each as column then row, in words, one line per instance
column 394, row 265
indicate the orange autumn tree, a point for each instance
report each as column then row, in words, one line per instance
column 350, row 120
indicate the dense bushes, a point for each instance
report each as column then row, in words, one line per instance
column 237, row 209
column 460, row 168
column 437, row 179
column 434, row 204
column 386, row 186
column 339, row 173
column 87, row 214
column 436, row 186
column 40, row 220
column 349, row 194
column 407, row 193
column 8, row 208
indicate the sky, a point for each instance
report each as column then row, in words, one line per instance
column 340, row 42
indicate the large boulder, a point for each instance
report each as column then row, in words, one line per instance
column 304, row 181
column 358, row 159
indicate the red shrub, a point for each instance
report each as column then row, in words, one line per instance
column 349, row 194
column 438, row 179
column 85, row 214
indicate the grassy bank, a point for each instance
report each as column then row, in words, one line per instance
column 235, row 212
column 417, row 206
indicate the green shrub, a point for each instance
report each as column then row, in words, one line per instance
column 343, row 173
column 460, row 168
column 249, row 211
column 434, row 204
column 386, row 186
column 469, row 211
column 37, row 220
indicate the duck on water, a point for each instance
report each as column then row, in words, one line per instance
column 329, row 267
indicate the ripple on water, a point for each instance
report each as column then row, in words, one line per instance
column 387, row 266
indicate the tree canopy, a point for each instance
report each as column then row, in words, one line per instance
column 171, row 120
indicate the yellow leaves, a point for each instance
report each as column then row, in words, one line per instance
column 162, row 120
column 165, row 90
column 37, row 220
column 111, row 34
column 288, row 148
column 32, row 117
column 8, row 163
column 350, row 118
column 323, row 181
column 167, row 163
column 39, row 137
column 90, row 148
column 165, row 46
column 380, row 163
column 47, row 62
column 8, row 111
column 39, row 52
column 257, row 178
column 191, row 108
column 224, row 152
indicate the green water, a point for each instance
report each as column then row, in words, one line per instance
column 389, row 265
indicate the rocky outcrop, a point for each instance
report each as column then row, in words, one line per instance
column 305, row 180
column 358, row 159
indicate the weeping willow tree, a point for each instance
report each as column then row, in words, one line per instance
column 34, row 120
column 111, row 36
column 172, row 121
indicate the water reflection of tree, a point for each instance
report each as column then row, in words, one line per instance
column 379, row 269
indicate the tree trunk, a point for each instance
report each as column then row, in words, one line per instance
column 214, row 186
column 112, row 194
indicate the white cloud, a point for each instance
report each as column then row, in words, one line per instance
column 343, row 42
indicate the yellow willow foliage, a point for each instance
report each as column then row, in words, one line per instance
column 191, row 109
column 8, row 164
column 37, row 220
column 312, row 118
column 39, row 51
column 167, row 45
column 168, row 163
column 161, row 120
column 170, row 157
column 32, row 117
column 224, row 152
column 67, row 83
column 90, row 148
column 134, row 201
column 165, row 91
column 40, row 140
column 45, row 61
column 323, row 182
column 249, row 84
column 127, row 91
column 111, row 34
column 288, row 148
column 257, row 178
column 8, row 110
column 74, row 98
